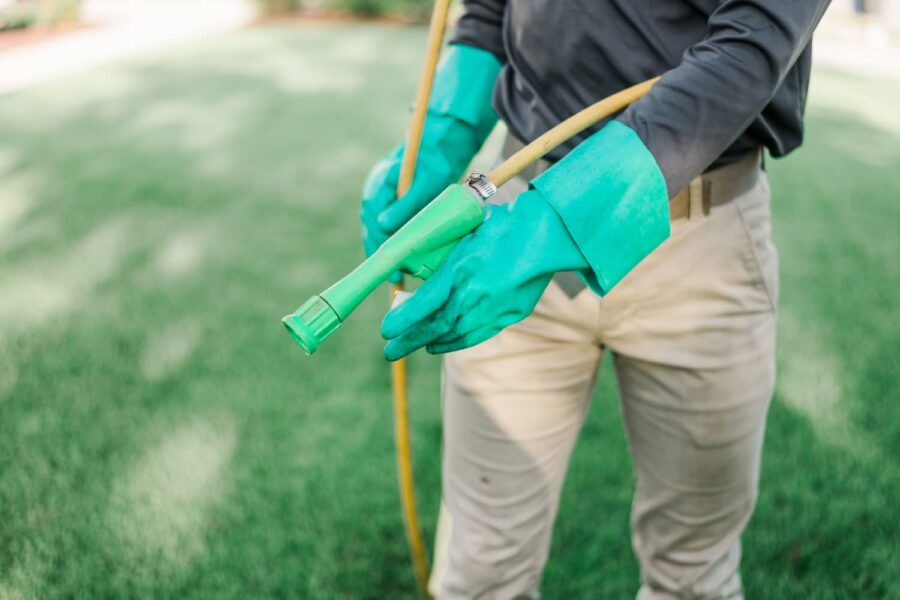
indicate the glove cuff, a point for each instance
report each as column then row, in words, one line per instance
column 464, row 86
column 612, row 197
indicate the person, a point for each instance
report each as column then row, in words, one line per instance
column 647, row 236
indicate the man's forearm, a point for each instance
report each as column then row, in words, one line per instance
column 722, row 83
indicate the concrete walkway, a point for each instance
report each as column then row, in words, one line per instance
column 121, row 28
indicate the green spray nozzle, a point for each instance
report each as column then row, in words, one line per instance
column 312, row 323
column 417, row 249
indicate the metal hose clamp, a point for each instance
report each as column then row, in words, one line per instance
column 481, row 185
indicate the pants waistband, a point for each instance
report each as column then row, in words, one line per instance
column 713, row 188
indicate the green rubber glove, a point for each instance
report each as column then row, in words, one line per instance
column 599, row 211
column 459, row 120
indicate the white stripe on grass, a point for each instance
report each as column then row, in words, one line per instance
column 40, row 291
column 182, row 253
column 810, row 382
column 23, row 578
column 9, row 373
column 160, row 506
column 169, row 348
column 18, row 196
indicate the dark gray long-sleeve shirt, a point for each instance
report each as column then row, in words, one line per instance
column 734, row 72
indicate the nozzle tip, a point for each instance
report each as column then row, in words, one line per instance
column 310, row 324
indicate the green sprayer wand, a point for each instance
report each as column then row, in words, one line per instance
column 421, row 244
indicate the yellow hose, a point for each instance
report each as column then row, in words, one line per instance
column 398, row 368
column 405, row 473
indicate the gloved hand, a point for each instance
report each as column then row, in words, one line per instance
column 599, row 211
column 459, row 120
column 491, row 279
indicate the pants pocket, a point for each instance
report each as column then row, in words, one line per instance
column 755, row 212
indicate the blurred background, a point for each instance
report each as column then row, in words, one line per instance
column 176, row 176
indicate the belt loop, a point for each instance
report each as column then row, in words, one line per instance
column 695, row 199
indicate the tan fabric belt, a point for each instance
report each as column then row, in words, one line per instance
column 713, row 188
column 716, row 187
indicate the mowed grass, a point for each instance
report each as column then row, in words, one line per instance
column 161, row 436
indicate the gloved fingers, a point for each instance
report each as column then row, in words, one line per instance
column 439, row 324
column 378, row 192
column 381, row 184
column 395, row 278
column 421, row 334
column 373, row 237
column 468, row 340
column 471, row 320
column 470, row 326
column 428, row 299
column 373, row 205
column 397, row 213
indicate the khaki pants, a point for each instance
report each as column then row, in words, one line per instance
column 692, row 336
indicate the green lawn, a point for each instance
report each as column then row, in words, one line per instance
column 161, row 436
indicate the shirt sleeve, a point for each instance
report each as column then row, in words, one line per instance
column 481, row 26
column 722, row 83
